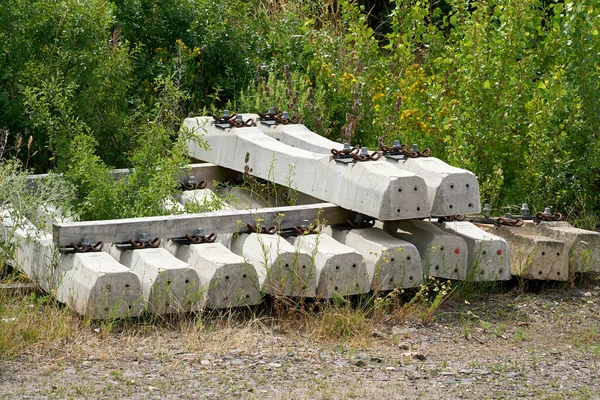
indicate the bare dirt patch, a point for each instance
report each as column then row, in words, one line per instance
column 507, row 345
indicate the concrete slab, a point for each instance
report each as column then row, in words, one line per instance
column 373, row 188
column 226, row 279
column 451, row 190
column 489, row 255
column 583, row 245
column 169, row 285
column 532, row 255
column 340, row 270
column 97, row 286
column 33, row 250
column 443, row 255
column 92, row 284
column 282, row 271
column 391, row 262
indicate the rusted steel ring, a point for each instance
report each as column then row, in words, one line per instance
column 224, row 118
column 267, row 231
column 240, row 124
column 510, row 222
column 154, row 243
column 201, row 239
column 292, row 120
column 193, row 186
column 345, row 152
column 451, row 218
column 549, row 217
column 96, row 247
column 301, row 230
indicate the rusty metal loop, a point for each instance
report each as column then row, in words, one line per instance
column 79, row 249
column 451, row 218
column 291, row 120
column 268, row 116
column 154, row 243
column 240, row 124
column 300, row 231
column 396, row 148
column 359, row 157
column 94, row 248
column 201, row 239
column 210, row 238
column 267, row 231
column 193, row 239
column 345, row 152
column 549, row 217
column 224, row 118
column 137, row 245
column 97, row 246
column 510, row 221
column 193, row 186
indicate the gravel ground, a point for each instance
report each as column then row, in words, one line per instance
column 537, row 345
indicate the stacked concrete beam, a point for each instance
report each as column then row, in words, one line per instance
column 339, row 270
column 282, row 271
column 532, row 255
column 169, row 285
column 391, row 262
column 443, row 255
column 451, row 190
column 226, row 279
column 376, row 189
column 489, row 255
column 583, row 246
column 92, row 284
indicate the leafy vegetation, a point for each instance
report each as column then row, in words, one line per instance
column 508, row 90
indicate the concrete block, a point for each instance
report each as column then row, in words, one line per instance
column 282, row 271
column 451, row 190
column 532, row 255
column 169, row 285
column 226, row 279
column 33, row 250
column 443, row 255
column 92, row 284
column 339, row 269
column 373, row 188
column 489, row 255
column 391, row 262
column 97, row 286
column 583, row 246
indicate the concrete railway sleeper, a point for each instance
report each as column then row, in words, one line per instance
column 235, row 266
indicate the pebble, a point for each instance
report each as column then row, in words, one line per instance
column 274, row 365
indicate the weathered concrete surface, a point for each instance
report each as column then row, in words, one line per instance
column 442, row 254
column 282, row 271
column 452, row 190
column 339, row 269
column 583, row 245
column 34, row 251
column 169, row 285
column 92, row 284
column 532, row 255
column 391, row 262
column 226, row 280
column 489, row 255
column 373, row 188
column 97, row 286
